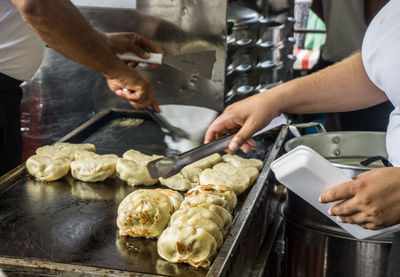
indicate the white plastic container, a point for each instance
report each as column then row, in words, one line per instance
column 308, row 174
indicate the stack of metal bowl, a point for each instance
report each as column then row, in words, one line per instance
column 259, row 51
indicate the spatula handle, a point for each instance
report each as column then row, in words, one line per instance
column 155, row 58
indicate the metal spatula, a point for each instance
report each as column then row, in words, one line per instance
column 199, row 63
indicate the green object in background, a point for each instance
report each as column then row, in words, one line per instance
column 314, row 41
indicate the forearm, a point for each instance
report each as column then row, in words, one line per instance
column 344, row 86
column 60, row 25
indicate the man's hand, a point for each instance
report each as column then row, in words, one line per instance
column 245, row 117
column 135, row 86
column 131, row 42
column 371, row 200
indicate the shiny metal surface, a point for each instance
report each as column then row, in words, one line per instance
column 64, row 94
column 311, row 252
column 70, row 226
column 345, row 149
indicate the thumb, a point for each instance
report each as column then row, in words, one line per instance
column 247, row 130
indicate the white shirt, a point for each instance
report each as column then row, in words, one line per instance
column 345, row 28
column 381, row 59
column 21, row 51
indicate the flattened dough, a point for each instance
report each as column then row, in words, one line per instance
column 238, row 161
column 48, row 169
column 187, row 244
column 92, row 167
column 144, row 213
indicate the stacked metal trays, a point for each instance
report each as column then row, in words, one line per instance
column 67, row 226
column 259, row 51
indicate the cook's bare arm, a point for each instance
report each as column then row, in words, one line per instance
column 60, row 25
column 344, row 86
column 371, row 200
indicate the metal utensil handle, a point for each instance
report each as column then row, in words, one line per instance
column 203, row 151
column 155, row 58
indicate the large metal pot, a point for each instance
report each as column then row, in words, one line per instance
column 315, row 245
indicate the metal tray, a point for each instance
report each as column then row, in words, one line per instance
column 70, row 226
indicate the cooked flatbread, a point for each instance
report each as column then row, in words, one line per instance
column 133, row 173
column 64, row 150
column 221, row 212
column 144, row 213
column 48, row 169
column 240, row 162
column 186, row 179
column 175, row 197
column 198, row 221
column 92, row 167
column 236, row 178
column 213, row 194
column 206, row 162
column 187, row 244
column 139, row 158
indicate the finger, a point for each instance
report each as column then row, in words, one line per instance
column 246, row 148
column 339, row 192
column 132, row 64
column 148, row 44
column 142, row 53
column 251, row 142
column 345, row 208
column 130, row 95
column 357, row 218
column 247, row 130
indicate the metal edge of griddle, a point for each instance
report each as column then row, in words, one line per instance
column 223, row 260
column 44, row 268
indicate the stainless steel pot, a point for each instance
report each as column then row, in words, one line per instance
column 344, row 149
column 315, row 245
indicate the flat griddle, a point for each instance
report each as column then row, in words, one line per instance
column 70, row 226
